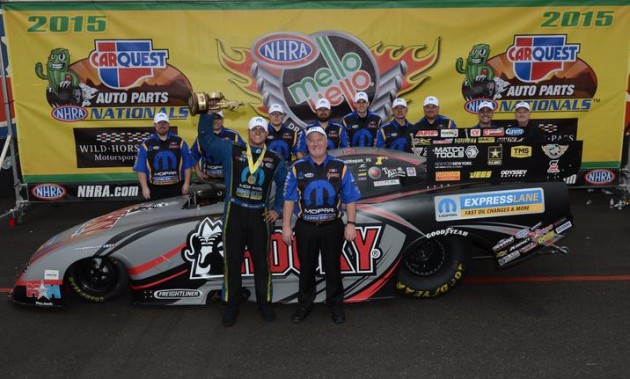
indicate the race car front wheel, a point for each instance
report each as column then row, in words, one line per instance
column 431, row 268
column 98, row 279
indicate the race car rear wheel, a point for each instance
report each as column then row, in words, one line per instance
column 98, row 279
column 431, row 268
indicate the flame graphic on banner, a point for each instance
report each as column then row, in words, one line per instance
column 240, row 65
column 387, row 57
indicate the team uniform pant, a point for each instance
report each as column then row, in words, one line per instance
column 159, row 192
column 245, row 227
column 312, row 239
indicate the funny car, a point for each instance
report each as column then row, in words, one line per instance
column 414, row 237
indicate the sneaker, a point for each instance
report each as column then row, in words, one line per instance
column 229, row 316
column 266, row 311
column 338, row 316
column 301, row 313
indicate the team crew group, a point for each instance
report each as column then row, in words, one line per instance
column 250, row 168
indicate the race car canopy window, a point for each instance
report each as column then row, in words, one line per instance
column 378, row 171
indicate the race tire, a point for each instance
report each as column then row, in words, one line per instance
column 432, row 268
column 98, row 279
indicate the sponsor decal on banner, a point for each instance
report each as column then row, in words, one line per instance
column 489, row 204
column 107, row 190
column 109, row 147
column 544, row 69
column 447, row 176
column 48, row 191
column 296, row 70
column 120, row 79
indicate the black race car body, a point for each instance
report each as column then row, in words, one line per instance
column 412, row 238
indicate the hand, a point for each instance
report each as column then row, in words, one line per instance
column 349, row 232
column 146, row 193
column 287, row 234
column 270, row 216
column 185, row 188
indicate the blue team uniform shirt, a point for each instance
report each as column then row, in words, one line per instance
column 165, row 161
column 208, row 163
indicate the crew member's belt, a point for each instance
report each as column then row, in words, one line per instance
column 320, row 223
column 243, row 204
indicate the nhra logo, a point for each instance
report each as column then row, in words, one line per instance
column 599, row 177
column 534, row 57
column 285, row 50
column 69, row 113
column 48, row 191
column 122, row 64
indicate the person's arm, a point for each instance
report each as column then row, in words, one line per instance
column 302, row 144
column 290, row 197
column 343, row 137
column 297, row 143
column 210, row 142
column 142, row 178
column 380, row 137
column 349, row 232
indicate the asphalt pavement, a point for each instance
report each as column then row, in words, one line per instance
column 554, row 316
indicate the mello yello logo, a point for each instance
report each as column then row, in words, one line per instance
column 296, row 70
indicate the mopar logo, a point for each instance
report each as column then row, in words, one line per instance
column 176, row 293
column 48, row 191
column 447, row 206
column 69, row 113
column 599, row 176
column 285, row 50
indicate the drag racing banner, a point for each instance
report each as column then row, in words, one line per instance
column 88, row 77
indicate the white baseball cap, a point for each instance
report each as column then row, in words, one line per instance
column 523, row 104
column 361, row 96
column 161, row 116
column 486, row 104
column 316, row 129
column 399, row 102
column 257, row 121
column 432, row 100
column 276, row 108
column 219, row 113
column 322, row 103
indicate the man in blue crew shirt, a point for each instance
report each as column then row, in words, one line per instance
column 432, row 118
column 361, row 124
column 316, row 187
column 398, row 133
column 280, row 138
column 336, row 133
column 163, row 163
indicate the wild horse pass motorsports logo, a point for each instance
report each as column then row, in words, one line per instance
column 296, row 70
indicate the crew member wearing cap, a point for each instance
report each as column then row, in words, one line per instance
column 319, row 184
column 207, row 165
column 398, row 133
column 336, row 133
column 432, row 118
column 163, row 163
column 362, row 124
column 525, row 129
column 282, row 139
column 250, row 171
column 485, row 113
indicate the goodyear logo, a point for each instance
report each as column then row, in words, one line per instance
column 536, row 56
column 69, row 113
column 48, row 191
column 122, row 64
column 521, row 151
column 285, row 50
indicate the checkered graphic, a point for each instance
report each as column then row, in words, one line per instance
column 122, row 137
column 548, row 128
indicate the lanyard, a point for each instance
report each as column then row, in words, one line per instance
column 253, row 166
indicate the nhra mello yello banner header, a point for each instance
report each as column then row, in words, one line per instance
column 89, row 76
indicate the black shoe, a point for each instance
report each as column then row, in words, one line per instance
column 229, row 316
column 301, row 313
column 266, row 311
column 338, row 316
